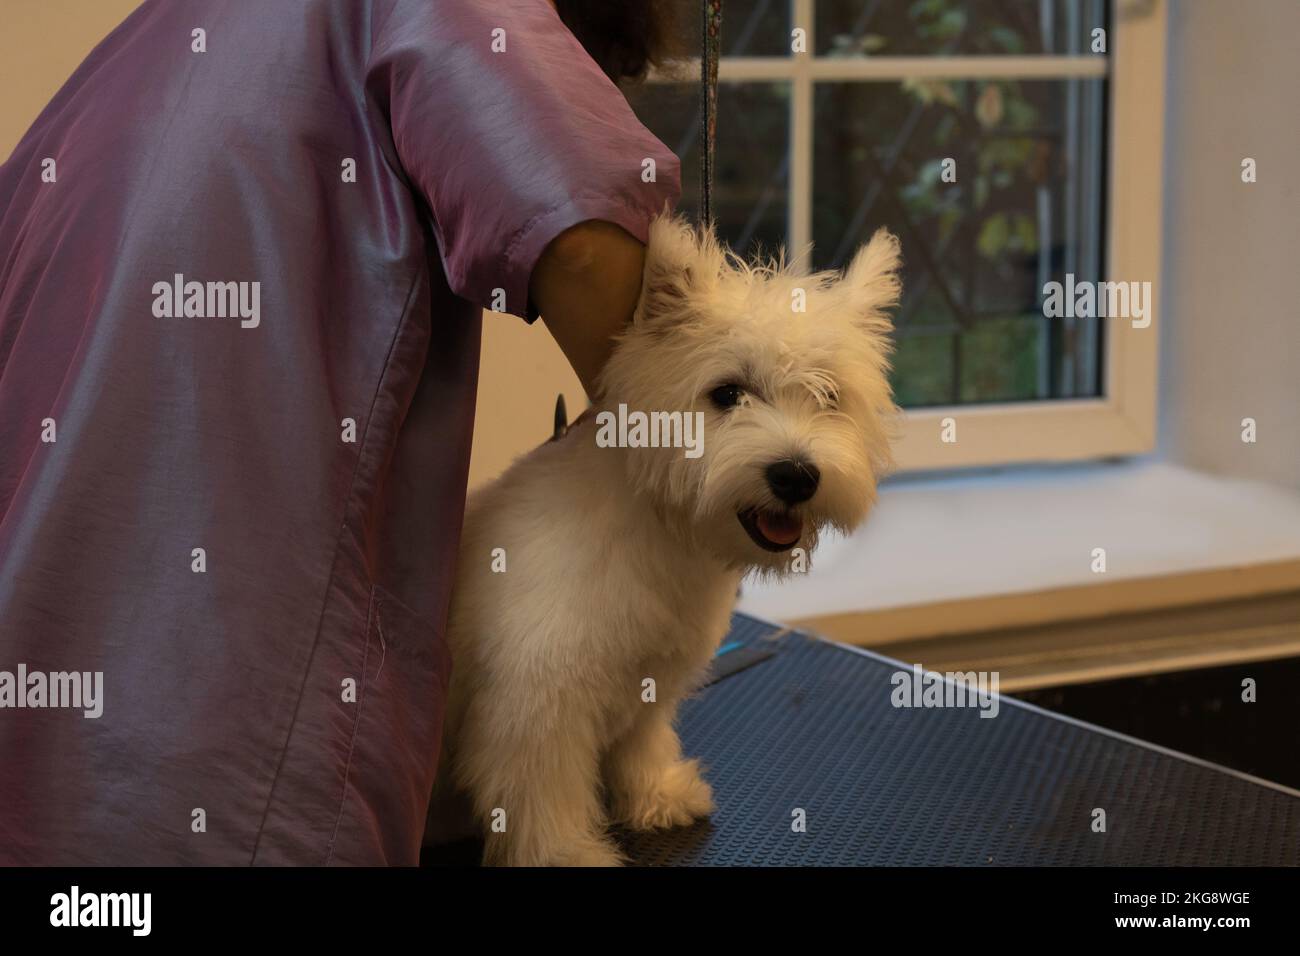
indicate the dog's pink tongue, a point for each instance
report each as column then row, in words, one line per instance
column 780, row 529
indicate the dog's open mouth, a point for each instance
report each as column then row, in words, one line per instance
column 771, row 530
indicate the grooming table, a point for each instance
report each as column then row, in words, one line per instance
column 792, row 721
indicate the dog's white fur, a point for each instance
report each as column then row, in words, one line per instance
column 622, row 564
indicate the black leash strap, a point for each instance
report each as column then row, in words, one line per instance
column 710, row 50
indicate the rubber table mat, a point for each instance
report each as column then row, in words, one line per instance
column 812, row 728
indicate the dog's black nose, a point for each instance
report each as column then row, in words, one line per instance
column 793, row 481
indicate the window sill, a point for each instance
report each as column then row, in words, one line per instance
column 946, row 556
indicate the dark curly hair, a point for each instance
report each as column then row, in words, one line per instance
column 626, row 37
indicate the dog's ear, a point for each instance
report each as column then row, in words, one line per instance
column 872, row 280
column 677, row 265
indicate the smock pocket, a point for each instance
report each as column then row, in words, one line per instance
column 405, row 667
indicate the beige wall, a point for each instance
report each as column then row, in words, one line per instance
column 43, row 41
column 1230, row 346
column 521, row 373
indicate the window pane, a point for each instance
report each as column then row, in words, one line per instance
column 956, row 27
column 752, row 158
column 749, row 27
column 1025, row 209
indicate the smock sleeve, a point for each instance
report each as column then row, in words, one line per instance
column 511, row 134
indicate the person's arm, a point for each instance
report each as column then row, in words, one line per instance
column 530, row 161
column 586, row 285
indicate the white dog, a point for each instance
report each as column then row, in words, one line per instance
column 595, row 583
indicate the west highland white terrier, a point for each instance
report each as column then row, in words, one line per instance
column 597, row 575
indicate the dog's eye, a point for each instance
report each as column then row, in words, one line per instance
column 726, row 396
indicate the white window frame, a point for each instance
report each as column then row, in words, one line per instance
column 1123, row 420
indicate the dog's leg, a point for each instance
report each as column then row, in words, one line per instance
column 535, row 785
column 651, row 786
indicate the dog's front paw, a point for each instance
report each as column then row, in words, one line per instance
column 678, row 798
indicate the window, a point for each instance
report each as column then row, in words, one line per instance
column 1009, row 144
